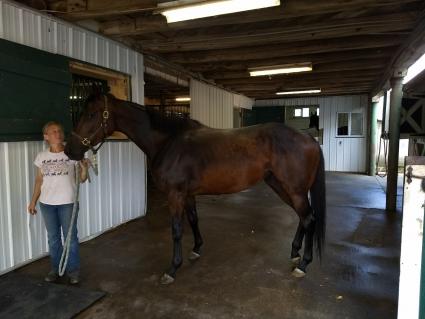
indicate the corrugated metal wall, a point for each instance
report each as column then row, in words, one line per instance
column 210, row 105
column 346, row 154
column 115, row 196
column 118, row 194
column 241, row 101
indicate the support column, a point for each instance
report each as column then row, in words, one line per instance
column 373, row 135
column 394, row 142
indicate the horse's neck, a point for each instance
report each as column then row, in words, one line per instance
column 135, row 123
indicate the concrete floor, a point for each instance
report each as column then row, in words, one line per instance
column 245, row 271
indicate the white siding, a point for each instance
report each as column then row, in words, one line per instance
column 341, row 154
column 112, row 198
column 241, row 101
column 118, row 194
column 210, row 105
column 299, row 123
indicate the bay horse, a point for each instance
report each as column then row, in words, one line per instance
column 187, row 159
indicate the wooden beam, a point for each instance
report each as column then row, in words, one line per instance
column 359, row 87
column 278, row 88
column 287, row 49
column 300, row 86
column 316, row 59
column 330, row 92
column 272, row 92
column 353, row 65
column 92, row 9
column 409, row 51
column 253, row 35
column 76, row 5
column 333, row 78
column 289, row 9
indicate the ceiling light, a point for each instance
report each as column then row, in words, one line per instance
column 182, row 99
column 281, row 69
column 211, row 8
column 299, row 92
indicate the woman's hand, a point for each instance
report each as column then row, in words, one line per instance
column 84, row 163
column 31, row 208
column 84, row 166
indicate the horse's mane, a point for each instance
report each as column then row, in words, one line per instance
column 170, row 123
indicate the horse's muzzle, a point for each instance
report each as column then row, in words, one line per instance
column 72, row 154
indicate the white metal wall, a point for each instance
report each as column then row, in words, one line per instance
column 115, row 196
column 299, row 123
column 241, row 101
column 118, row 194
column 341, row 154
column 210, row 105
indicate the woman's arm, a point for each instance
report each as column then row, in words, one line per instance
column 36, row 193
column 84, row 166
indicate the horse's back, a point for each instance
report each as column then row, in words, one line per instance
column 215, row 161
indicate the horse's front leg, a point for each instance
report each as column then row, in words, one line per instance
column 176, row 202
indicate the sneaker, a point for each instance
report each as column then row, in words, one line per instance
column 74, row 278
column 52, row 276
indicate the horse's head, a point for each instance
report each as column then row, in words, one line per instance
column 94, row 126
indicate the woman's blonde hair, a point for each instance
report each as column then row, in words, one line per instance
column 50, row 123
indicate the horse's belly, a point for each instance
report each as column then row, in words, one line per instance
column 226, row 179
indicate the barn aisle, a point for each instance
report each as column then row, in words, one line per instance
column 245, row 271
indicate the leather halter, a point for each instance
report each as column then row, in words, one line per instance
column 87, row 141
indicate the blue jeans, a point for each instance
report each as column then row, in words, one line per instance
column 57, row 217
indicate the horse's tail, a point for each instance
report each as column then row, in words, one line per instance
column 318, row 203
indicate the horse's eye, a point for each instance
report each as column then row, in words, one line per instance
column 91, row 115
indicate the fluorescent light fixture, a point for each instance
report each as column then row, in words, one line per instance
column 299, row 92
column 211, row 8
column 182, row 99
column 415, row 69
column 281, row 69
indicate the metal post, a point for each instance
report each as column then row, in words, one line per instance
column 394, row 142
column 384, row 114
column 373, row 135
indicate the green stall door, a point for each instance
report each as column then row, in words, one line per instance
column 269, row 114
column 34, row 89
column 259, row 115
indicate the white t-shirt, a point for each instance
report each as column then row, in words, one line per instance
column 58, row 187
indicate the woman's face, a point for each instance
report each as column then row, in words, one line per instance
column 54, row 135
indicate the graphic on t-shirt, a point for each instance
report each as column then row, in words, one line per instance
column 56, row 167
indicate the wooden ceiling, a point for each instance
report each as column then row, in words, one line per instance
column 157, row 88
column 351, row 43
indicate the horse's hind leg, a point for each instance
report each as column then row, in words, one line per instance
column 176, row 202
column 276, row 185
column 307, row 223
column 192, row 217
column 297, row 244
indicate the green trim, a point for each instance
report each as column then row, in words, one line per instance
column 34, row 89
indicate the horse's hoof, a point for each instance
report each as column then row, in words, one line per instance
column 296, row 261
column 194, row 256
column 166, row 279
column 298, row 273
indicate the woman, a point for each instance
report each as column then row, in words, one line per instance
column 55, row 187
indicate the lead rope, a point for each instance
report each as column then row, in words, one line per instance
column 384, row 141
column 65, row 252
